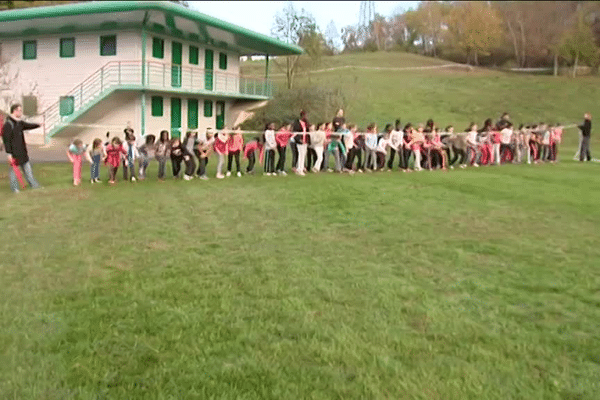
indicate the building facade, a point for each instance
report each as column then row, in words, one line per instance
column 85, row 69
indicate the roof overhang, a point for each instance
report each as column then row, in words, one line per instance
column 156, row 16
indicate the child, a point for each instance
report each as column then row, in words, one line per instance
column 437, row 148
column 416, row 145
column 270, row 146
column 556, row 140
column 162, row 153
column 95, row 154
column 221, row 150
column 236, row 144
column 336, row 147
column 496, row 139
column 75, row 153
column 132, row 155
column 545, row 139
column 204, row 149
column 147, row 152
column 126, row 162
column 282, row 137
column 249, row 150
column 371, row 147
column 472, row 145
column 381, row 150
column 180, row 153
column 358, row 144
column 301, row 140
column 190, row 143
column 114, row 154
column 317, row 139
column 396, row 136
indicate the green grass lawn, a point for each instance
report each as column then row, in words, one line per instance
column 472, row 284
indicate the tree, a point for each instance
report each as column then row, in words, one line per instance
column 291, row 26
column 428, row 21
column 350, row 38
column 578, row 43
column 332, row 37
column 475, row 28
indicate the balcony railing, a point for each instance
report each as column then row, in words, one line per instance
column 158, row 76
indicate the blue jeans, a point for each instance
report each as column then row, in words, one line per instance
column 14, row 183
column 95, row 169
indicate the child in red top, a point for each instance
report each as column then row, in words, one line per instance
column 221, row 149
column 555, row 139
column 282, row 137
column 249, row 150
column 114, row 154
column 496, row 141
column 234, row 147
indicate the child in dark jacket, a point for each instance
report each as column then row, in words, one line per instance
column 180, row 153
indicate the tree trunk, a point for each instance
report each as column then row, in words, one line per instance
column 523, row 55
column 515, row 44
column 555, row 64
column 289, row 72
column 575, row 65
column 475, row 59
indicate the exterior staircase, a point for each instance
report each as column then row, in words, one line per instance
column 151, row 76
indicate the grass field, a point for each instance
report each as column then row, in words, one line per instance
column 473, row 284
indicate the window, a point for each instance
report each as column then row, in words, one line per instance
column 158, row 48
column 30, row 105
column 67, row 105
column 208, row 108
column 29, row 50
column 67, row 47
column 222, row 61
column 157, row 106
column 193, row 55
column 192, row 114
column 108, row 45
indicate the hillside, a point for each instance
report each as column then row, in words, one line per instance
column 454, row 96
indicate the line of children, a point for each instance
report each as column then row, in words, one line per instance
column 425, row 147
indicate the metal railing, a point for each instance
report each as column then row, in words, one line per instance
column 158, row 76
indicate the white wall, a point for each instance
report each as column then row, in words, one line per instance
column 49, row 76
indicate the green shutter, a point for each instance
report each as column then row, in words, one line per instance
column 175, row 117
column 157, row 106
column 222, row 61
column 108, row 45
column 193, row 55
column 192, row 114
column 66, row 105
column 158, row 48
column 208, row 108
column 67, row 47
column 29, row 50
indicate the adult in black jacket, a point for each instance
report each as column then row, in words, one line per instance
column 299, row 125
column 586, row 130
column 16, row 149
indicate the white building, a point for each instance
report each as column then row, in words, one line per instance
column 87, row 68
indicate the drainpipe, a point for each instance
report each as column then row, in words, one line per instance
column 267, row 85
column 144, row 74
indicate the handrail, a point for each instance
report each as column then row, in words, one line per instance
column 118, row 73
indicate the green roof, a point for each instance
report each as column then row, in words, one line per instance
column 18, row 22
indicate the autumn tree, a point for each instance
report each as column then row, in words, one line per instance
column 475, row 28
column 578, row 43
column 429, row 21
column 291, row 26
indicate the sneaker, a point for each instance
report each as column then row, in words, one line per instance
column 360, row 171
column 476, row 165
column 283, row 173
column 239, row 174
column 228, row 174
column 98, row 181
column 187, row 178
column 203, row 177
column 133, row 179
column 301, row 173
column 92, row 181
column 220, row 176
column 329, row 170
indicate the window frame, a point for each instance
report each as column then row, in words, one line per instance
column 60, row 47
column 154, row 101
column 25, row 44
column 106, row 37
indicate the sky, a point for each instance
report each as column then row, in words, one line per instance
column 259, row 15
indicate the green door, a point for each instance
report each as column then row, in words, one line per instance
column 176, row 51
column 175, row 117
column 208, row 69
column 220, row 114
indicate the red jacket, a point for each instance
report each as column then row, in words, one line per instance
column 282, row 137
column 113, row 155
column 235, row 142
column 220, row 145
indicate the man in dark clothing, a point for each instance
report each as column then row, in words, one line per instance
column 299, row 128
column 339, row 120
column 586, row 130
column 16, row 149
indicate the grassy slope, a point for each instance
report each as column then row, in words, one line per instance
column 476, row 284
column 449, row 96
